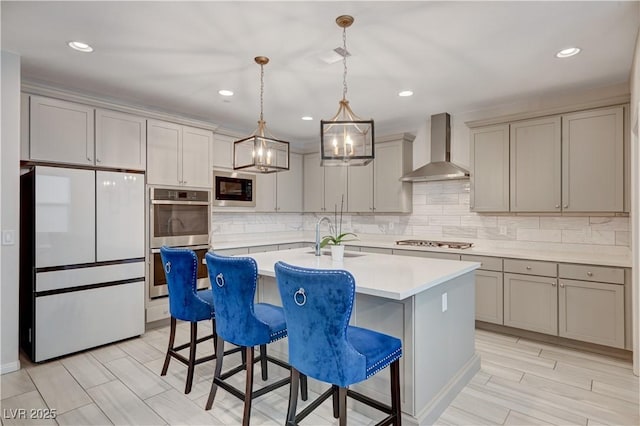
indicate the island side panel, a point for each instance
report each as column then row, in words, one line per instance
column 444, row 345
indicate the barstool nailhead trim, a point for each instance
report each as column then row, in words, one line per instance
column 167, row 267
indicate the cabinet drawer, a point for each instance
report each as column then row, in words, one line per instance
column 591, row 273
column 487, row 263
column 531, row 267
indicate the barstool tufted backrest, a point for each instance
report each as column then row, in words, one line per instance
column 317, row 307
column 233, row 282
column 181, row 267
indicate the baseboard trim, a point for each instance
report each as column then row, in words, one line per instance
column 10, row 367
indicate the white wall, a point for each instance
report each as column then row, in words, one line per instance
column 635, row 203
column 9, row 210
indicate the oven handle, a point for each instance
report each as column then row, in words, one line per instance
column 185, row 203
column 157, row 250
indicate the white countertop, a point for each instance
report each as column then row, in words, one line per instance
column 603, row 257
column 382, row 275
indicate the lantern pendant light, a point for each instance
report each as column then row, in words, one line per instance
column 261, row 152
column 346, row 139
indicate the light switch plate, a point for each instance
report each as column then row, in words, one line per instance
column 8, row 237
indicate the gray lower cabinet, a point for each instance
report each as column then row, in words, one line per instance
column 531, row 303
column 489, row 288
column 592, row 304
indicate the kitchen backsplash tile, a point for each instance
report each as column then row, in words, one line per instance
column 441, row 211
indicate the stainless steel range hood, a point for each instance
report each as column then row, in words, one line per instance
column 440, row 167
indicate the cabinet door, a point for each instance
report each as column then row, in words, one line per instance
column 360, row 188
column 592, row 161
column 163, row 143
column 535, row 165
column 313, row 184
column 489, row 292
column 531, row 303
column 289, row 186
column 335, row 188
column 119, row 216
column 592, row 312
column 121, row 140
column 393, row 160
column 222, row 155
column 196, row 160
column 65, row 216
column 265, row 192
column 490, row 169
column 61, row 131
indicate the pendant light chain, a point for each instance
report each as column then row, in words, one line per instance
column 261, row 90
column 344, row 63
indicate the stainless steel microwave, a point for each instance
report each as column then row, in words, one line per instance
column 231, row 189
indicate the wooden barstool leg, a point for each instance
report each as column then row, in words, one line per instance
column 293, row 397
column 395, row 392
column 172, row 338
column 336, row 403
column 263, row 361
column 304, row 393
column 192, row 356
column 215, row 336
column 216, row 373
column 342, row 403
column 246, row 416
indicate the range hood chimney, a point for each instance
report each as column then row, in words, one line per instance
column 440, row 167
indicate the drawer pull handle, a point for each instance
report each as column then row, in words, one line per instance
column 590, row 273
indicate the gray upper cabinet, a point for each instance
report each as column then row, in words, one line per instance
column 535, row 147
column 360, row 188
column 490, row 169
column 593, row 161
column 393, row 160
column 313, row 194
column 564, row 163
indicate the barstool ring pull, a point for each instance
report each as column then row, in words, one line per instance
column 297, row 295
column 220, row 280
column 167, row 267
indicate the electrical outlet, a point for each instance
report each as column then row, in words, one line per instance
column 503, row 230
column 444, row 302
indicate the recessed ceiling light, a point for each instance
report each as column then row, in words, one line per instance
column 80, row 46
column 568, row 52
column 405, row 93
column 225, row 92
column 307, row 118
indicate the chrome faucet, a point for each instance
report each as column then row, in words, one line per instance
column 322, row 219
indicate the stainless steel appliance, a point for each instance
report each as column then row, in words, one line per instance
column 231, row 189
column 178, row 218
column 432, row 243
column 158, row 280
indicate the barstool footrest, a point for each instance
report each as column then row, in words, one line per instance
column 313, row 405
column 241, row 395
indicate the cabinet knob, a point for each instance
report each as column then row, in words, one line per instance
column 553, row 284
column 89, row 158
column 98, row 160
column 528, row 268
column 590, row 273
column 557, row 206
column 184, row 182
column 565, row 206
column 561, row 285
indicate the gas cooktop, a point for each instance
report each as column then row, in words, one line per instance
column 432, row 243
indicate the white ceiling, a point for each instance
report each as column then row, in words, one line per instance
column 455, row 56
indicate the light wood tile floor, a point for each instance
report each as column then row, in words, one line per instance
column 522, row 382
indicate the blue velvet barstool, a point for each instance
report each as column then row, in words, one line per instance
column 244, row 323
column 186, row 304
column 322, row 345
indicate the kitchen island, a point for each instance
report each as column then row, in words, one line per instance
column 427, row 303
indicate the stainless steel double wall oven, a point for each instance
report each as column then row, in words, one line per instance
column 178, row 218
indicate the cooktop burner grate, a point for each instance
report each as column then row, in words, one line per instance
column 432, row 243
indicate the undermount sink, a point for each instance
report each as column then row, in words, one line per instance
column 346, row 253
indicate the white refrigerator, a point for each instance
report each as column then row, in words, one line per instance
column 82, row 259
